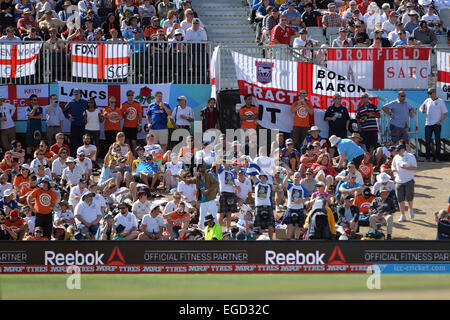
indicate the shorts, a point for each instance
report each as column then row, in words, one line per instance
column 264, row 217
column 298, row 218
column 227, row 202
column 130, row 133
column 398, row 133
column 405, row 191
column 161, row 136
column 370, row 138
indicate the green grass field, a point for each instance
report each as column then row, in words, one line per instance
column 207, row 287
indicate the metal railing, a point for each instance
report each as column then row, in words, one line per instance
column 145, row 62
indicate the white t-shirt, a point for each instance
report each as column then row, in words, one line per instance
column 403, row 175
column 432, row 18
column 185, row 25
column 171, row 207
column 87, row 150
column 88, row 212
column 75, row 191
column 129, row 221
column 7, row 111
column 36, row 162
column 226, row 180
column 296, row 192
column 117, row 196
column 175, row 168
column 100, row 201
column 72, row 177
column 434, row 109
column 263, row 194
column 388, row 26
column 196, row 36
column 299, row 43
column 154, row 147
column 153, row 224
column 141, row 209
column 186, row 111
column 93, row 123
column 64, row 215
column 187, row 190
column 393, row 35
column 245, row 186
column 86, row 165
column 58, row 167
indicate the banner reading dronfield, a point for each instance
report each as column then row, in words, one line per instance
column 220, row 257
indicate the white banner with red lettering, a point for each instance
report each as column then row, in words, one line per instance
column 18, row 60
column 274, row 85
column 443, row 75
column 383, row 68
column 143, row 93
column 19, row 96
column 100, row 61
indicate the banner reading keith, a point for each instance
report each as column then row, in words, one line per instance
column 274, row 85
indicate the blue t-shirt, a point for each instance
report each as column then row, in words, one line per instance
column 12, row 204
column 158, row 116
column 34, row 124
column 351, row 149
column 107, row 173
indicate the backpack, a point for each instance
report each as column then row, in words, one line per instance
column 374, row 234
column 318, row 227
column 443, row 230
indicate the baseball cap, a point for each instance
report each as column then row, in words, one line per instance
column 155, row 18
column 384, row 189
column 178, row 31
column 350, row 164
column 181, row 98
column 14, row 214
column 431, row 90
column 8, row 192
column 80, row 152
column 330, row 5
column 38, row 228
column 385, row 5
column 320, row 184
column 342, row 29
column 195, row 20
column 289, row 141
column 400, row 147
column 82, row 180
column 303, row 31
column 26, row 166
column 314, row 128
column 366, row 192
column 76, row 91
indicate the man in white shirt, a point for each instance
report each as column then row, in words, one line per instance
column 7, row 126
column 431, row 16
column 152, row 224
column 171, row 170
column 4, row 184
column 244, row 187
column 300, row 41
column 128, row 221
column 394, row 35
column 389, row 25
column 151, row 146
column 72, row 174
column 196, row 33
column 436, row 112
column 84, row 163
column 89, row 149
column 88, row 214
column 182, row 114
column 403, row 166
column 76, row 192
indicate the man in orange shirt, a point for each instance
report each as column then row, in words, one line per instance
column 302, row 109
column 366, row 169
column 248, row 114
column 38, row 231
column 44, row 200
column 132, row 119
column 16, row 224
column 364, row 200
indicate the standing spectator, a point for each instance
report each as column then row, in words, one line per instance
column 248, row 113
column 381, row 210
column 163, row 8
column 210, row 116
column 436, row 112
column 206, row 192
column 55, row 118
column 76, row 108
column 310, row 17
column 367, row 115
column 92, row 119
column 132, row 114
column 182, row 114
column 403, row 166
column 303, row 110
column 34, row 124
column 44, row 199
column 399, row 111
column 112, row 115
column 264, row 217
column 337, row 117
column 272, row 20
column 424, row 34
column 157, row 116
column 282, row 32
column 146, row 12
column 7, row 125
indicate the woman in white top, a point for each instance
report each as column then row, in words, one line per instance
column 141, row 206
column 92, row 119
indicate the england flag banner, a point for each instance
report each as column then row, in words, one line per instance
column 18, row 60
column 443, row 75
column 382, row 68
column 100, row 61
column 275, row 84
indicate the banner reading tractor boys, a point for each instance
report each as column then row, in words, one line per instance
column 275, row 84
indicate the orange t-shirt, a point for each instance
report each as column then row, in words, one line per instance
column 18, row 223
column 175, row 217
column 304, row 159
column 43, row 200
column 150, row 31
column 249, row 124
column 112, row 124
column 49, row 154
column 20, row 181
column 32, row 238
column 131, row 119
column 366, row 169
column 25, row 190
column 363, row 203
column 4, row 166
column 301, row 117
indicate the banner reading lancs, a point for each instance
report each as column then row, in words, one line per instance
column 274, row 85
column 383, row 68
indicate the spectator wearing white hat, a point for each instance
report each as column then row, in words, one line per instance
column 171, row 171
column 88, row 214
column 152, row 225
column 413, row 22
column 348, row 150
column 182, row 115
column 72, row 174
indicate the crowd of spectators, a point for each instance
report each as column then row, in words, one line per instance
column 356, row 23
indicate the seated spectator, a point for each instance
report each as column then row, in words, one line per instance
column 308, row 159
column 350, row 187
column 54, row 44
column 22, row 179
column 38, row 235
column 348, row 216
column 59, row 164
column 72, row 174
column 20, row 7
column 32, row 35
column 310, row 18
column 146, row 12
column 59, row 144
column 366, row 169
column 309, row 182
column 88, row 215
column 150, row 31
column 110, row 24
column 152, row 225
column 91, row 15
column 401, row 40
column 171, row 170
column 5, row 232
column 372, row 17
column 48, row 22
column 324, row 171
column 443, row 225
column 303, row 38
column 64, row 217
column 291, row 156
column 164, row 7
column 125, row 224
column 213, row 231
column 360, row 37
column 363, row 201
column 431, row 16
column 351, row 168
column 291, row 13
column 339, row 41
column 178, row 220
column 25, row 23
column 383, row 41
column 8, row 164
column 66, row 11
column 331, row 19
column 16, row 224
column 106, row 229
column 88, row 32
column 382, row 210
column 76, row 193
column 189, row 19
column 413, row 22
column 196, row 33
column 10, row 36
column 425, row 35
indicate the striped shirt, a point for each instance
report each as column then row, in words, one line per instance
column 332, row 20
column 367, row 122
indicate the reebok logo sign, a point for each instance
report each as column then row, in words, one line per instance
column 298, row 257
column 76, row 258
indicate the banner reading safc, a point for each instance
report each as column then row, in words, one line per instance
column 385, row 68
column 100, row 61
column 274, row 85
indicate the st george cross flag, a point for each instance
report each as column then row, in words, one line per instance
column 100, row 61
column 18, row 60
column 275, row 84
column 382, row 68
column 443, row 75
